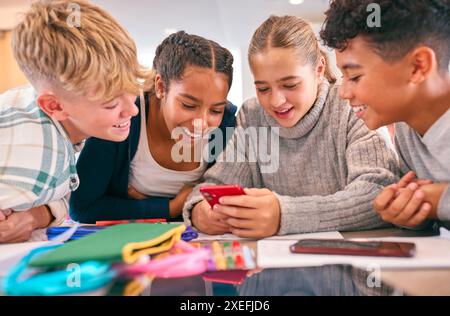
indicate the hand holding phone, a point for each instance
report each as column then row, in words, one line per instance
column 212, row 194
column 354, row 248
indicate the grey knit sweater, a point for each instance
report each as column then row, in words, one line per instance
column 331, row 167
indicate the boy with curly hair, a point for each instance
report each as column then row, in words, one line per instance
column 397, row 71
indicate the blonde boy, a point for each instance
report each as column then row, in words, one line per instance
column 84, row 76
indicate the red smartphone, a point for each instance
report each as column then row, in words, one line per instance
column 354, row 248
column 213, row 193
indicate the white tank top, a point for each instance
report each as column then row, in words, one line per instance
column 150, row 178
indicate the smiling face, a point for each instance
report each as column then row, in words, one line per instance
column 84, row 117
column 379, row 91
column 195, row 103
column 286, row 88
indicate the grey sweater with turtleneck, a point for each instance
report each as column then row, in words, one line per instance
column 330, row 166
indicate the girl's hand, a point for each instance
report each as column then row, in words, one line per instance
column 208, row 221
column 256, row 214
column 177, row 203
column 134, row 194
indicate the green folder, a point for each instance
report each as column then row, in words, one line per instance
column 119, row 243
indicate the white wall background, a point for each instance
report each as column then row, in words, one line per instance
column 229, row 22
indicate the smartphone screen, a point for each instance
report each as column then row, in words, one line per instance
column 212, row 194
column 356, row 248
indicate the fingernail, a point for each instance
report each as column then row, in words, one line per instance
column 419, row 194
column 216, row 207
column 412, row 186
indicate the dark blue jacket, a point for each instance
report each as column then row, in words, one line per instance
column 103, row 168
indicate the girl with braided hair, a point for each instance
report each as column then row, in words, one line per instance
column 144, row 176
column 330, row 166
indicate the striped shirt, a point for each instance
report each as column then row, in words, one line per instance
column 37, row 159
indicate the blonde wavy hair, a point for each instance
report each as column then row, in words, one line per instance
column 96, row 54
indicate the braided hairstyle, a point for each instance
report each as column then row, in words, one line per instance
column 180, row 50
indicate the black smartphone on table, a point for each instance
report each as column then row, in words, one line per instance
column 354, row 248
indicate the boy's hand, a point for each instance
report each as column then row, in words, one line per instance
column 256, row 214
column 19, row 225
column 404, row 203
column 208, row 221
column 411, row 177
column 402, row 207
column 433, row 194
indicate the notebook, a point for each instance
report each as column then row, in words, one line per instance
column 119, row 243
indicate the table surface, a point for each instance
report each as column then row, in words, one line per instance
column 325, row 280
column 412, row 281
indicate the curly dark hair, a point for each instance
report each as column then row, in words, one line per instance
column 181, row 49
column 404, row 25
